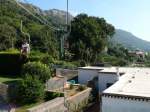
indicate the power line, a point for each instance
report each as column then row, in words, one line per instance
column 19, row 4
column 42, row 17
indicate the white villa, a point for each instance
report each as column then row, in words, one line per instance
column 122, row 89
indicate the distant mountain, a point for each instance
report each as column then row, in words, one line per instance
column 130, row 41
column 55, row 16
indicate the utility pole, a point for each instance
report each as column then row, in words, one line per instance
column 67, row 15
column 65, row 33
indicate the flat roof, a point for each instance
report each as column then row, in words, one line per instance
column 112, row 70
column 91, row 68
column 135, row 82
column 104, row 70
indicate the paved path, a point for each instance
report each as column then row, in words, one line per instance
column 3, row 106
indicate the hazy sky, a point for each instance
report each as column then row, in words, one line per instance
column 129, row 15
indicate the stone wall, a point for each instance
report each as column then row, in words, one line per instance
column 4, row 91
column 78, row 101
column 55, row 105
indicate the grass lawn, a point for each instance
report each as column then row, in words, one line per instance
column 25, row 107
column 8, row 79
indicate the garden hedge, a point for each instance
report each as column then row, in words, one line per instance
column 11, row 63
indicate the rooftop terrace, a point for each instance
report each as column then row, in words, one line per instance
column 135, row 82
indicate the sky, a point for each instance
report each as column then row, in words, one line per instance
column 129, row 15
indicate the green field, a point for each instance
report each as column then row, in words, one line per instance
column 8, row 79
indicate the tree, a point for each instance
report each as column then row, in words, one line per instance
column 7, row 37
column 89, row 36
column 43, row 39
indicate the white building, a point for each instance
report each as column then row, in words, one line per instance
column 129, row 89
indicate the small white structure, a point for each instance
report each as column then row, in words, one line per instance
column 106, row 76
column 129, row 89
column 88, row 73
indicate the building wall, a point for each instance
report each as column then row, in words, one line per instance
column 110, row 104
column 104, row 79
column 86, row 75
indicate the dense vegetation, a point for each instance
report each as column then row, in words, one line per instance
column 89, row 36
column 42, row 37
column 88, row 39
column 36, row 70
column 30, row 90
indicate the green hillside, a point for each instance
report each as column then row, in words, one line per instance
column 43, row 38
column 130, row 41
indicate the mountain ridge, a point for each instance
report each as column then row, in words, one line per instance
column 129, row 40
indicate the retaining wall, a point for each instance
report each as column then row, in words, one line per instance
column 54, row 84
column 55, row 105
column 4, row 91
column 78, row 101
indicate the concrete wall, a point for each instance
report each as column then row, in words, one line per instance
column 86, row 75
column 106, row 78
column 56, row 105
column 69, row 74
column 110, row 104
column 4, row 91
column 54, row 84
column 78, row 101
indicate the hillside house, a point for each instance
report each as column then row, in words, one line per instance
column 121, row 89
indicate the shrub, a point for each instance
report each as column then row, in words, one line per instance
column 31, row 90
column 71, row 86
column 81, row 87
column 37, row 69
column 42, row 57
column 52, row 95
column 65, row 65
column 82, row 63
